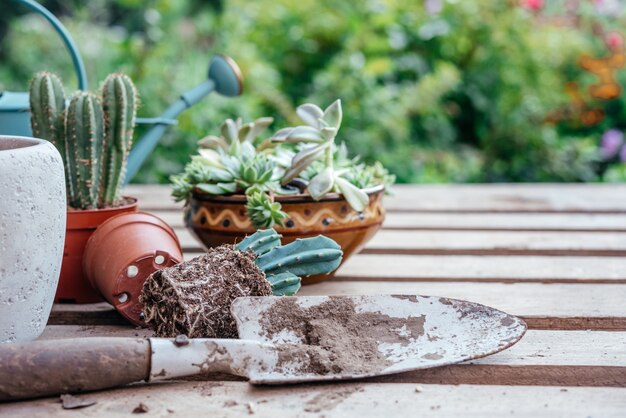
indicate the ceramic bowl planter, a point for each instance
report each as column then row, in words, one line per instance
column 32, row 230
column 216, row 219
column 123, row 252
column 81, row 224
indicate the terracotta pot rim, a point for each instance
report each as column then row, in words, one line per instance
column 92, row 218
column 133, row 202
column 126, row 218
column 294, row 198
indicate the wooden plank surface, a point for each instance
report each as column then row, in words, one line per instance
column 466, row 198
column 553, row 222
column 552, row 254
column 480, row 243
column 362, row 399
column 456, row 268
column 543, row 306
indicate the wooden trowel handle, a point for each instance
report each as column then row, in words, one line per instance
column 52, row 367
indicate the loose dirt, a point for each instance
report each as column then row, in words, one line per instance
column 335, row 338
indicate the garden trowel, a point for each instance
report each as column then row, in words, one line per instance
column 278, row 345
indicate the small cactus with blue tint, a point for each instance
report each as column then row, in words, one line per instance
column 284, row 265
column 284, row 284
column 303, row 257
column 260, row 242
column 93, row 134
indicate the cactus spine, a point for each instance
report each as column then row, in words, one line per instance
column 284, row 264
column 119, row 101
column 94, row 135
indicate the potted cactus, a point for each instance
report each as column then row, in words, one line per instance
column 297, row 180
column 93, row 133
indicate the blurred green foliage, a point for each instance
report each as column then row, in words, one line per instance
column 459, row 93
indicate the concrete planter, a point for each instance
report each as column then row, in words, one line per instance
column 32, row 232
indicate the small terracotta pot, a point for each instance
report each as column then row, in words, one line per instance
column 73, row 285
column 123, row 252
column 216, row 220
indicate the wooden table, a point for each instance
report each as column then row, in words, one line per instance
column 552, row 254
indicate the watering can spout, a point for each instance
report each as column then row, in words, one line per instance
column 224, row 77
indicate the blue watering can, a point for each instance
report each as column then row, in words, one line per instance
column 224, row 77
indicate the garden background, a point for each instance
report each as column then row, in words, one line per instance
column 439, row 91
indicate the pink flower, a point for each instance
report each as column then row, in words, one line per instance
column 614, row 40
column 534, row 5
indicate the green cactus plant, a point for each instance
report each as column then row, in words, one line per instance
column 284, row 264
column 93, row 135
column 119, row 101
column 84, row 133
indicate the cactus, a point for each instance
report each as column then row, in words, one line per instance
column 47, row 101
column 284, row 284
column 260, row 242
column 93, row 135
column 119, row 101
column 284, row 264
column 303, row 257
column 84, row 133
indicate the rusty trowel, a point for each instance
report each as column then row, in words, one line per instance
column 408, row 332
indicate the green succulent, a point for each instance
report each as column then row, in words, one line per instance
column 238, row 161
column 262, row 210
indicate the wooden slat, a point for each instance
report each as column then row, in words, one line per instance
column 534, row 198
column 554, row 222
column 374, row 267
column 363, row 399
column 540, row 358
column 543, row 306
column 480, row 243
column 456, row 268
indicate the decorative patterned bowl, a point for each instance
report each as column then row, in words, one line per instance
column 216, row 220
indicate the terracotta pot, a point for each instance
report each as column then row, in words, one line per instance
column 123, row 252
column 73, row 285
column 216, row 220
column 32, row 231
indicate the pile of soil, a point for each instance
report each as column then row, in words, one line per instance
column 335, row 338
column 194, row 297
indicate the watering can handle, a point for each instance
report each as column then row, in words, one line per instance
column 65, row 36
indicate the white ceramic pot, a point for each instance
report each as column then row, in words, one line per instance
column 32, row 233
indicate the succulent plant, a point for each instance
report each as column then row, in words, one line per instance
column 93, row 135
column 294, row 160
